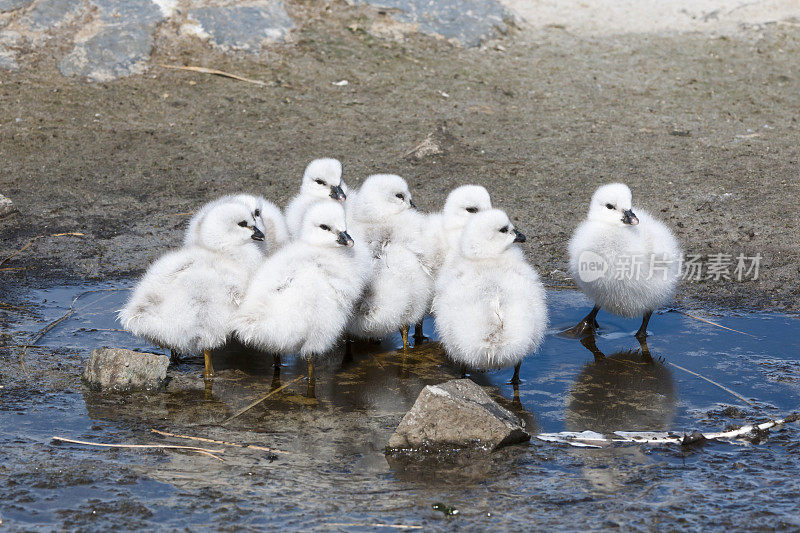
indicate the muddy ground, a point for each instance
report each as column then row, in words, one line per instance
column 704, row 130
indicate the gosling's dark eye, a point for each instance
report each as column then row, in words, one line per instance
column 319, row 181
column 257, row 212
column 609, row 206
column 400, row 195
column 243, row 223
column 504, row 229
column 324, row 227
column 472, row 210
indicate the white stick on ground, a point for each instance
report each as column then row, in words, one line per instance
column 203, row 451
column 591, row 439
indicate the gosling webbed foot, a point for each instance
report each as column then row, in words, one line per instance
column 587, row 326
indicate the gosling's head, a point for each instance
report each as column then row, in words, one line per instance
column 254, row 204
column 384, row 195
column 611, row 204
column 192, row 235
column 228, row 225
column 323, row 179
column 268, row 218
column 462, row 203
column 324, row 225
column 488, row 234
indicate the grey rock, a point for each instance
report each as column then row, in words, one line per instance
column 468, row 21
column 6, row 205
column 457, row 413
column 121, row 45
column 49, row 13
column 120, row 369
column 110, row 53
column 244, row 27
column 129, row 12
column 11, row 5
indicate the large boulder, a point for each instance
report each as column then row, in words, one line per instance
column 123, row 370
column 458, row 414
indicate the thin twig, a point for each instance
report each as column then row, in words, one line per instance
column 204, row 451
column 42, row 332
column 215, row 72
column 226, row 443
column 241, row 411
column 365, row 524
column 714, row 323
column 30, row 242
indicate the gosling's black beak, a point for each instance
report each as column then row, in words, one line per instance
column 519, row 237
column 344, row 239
column 629, row 218
column 413, row 205
column 257, row 235
column 337, row 193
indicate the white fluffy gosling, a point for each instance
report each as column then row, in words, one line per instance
column 186, row 299
column 301, row 298
column 490, row 306
column 626, row 262
column 383, row 217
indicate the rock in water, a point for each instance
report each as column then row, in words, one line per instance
column 119, row 369
column 457, row 414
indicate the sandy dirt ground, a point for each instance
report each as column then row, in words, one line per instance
column 703, row 126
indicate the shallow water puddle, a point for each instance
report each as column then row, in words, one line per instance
column 334, row 473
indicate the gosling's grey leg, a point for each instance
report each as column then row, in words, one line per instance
column 515, row 379
column 419, row 336
column 348, row 351
column 642, row 333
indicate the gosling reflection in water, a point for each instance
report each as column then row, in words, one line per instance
column 629, row 390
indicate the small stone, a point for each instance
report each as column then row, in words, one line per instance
column 426, row 148
column 6, row 206
column 122, row 370
column 458, row 414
